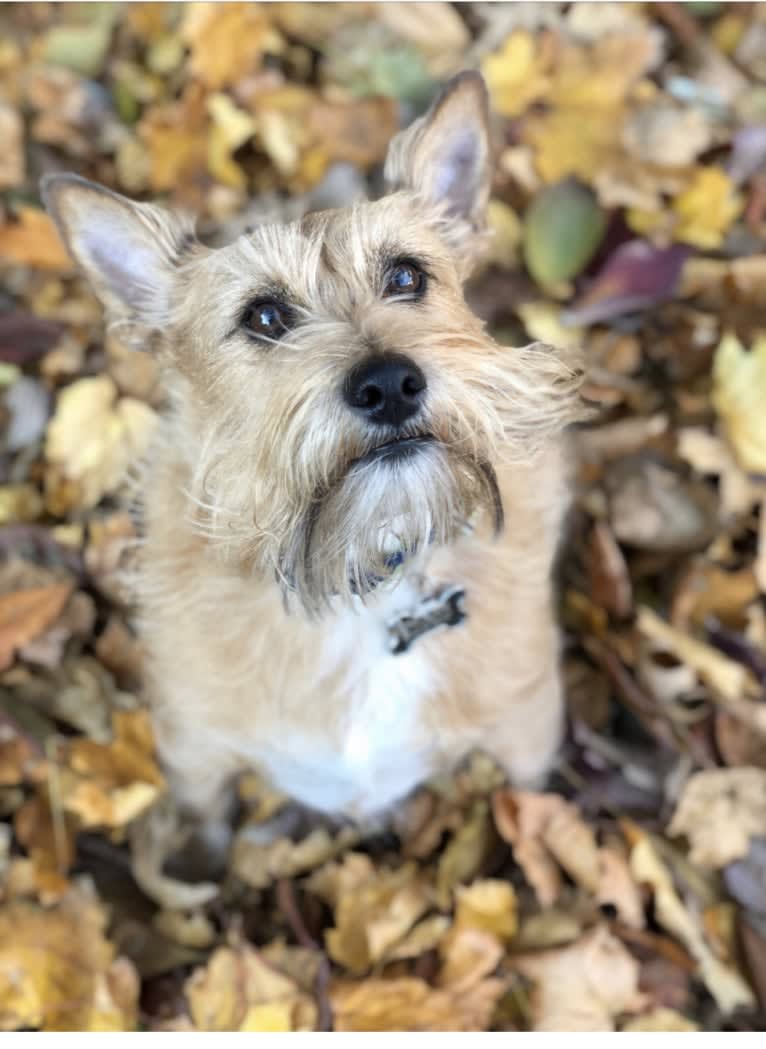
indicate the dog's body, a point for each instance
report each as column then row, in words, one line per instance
column 343, row 440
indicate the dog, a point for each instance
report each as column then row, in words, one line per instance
column 354, row 504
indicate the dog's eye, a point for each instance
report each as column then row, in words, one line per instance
column 266, row 318
column 405, row 279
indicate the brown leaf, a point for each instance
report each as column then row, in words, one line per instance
column 409, row 1004
column 583, row 987
column 25, row 614
column 34, row 241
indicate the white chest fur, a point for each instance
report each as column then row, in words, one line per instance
column 379, row 751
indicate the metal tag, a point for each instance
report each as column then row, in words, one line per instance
column 445, row 608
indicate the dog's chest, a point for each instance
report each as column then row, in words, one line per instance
column 376, row 748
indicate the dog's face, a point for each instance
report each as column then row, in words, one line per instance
column 342, row 408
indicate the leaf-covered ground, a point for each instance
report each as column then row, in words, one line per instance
column 629, row 210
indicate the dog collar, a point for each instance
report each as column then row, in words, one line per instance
column 445, row 607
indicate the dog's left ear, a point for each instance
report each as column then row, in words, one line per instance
column 444, row 156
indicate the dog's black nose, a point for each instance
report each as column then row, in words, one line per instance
column 387, row 388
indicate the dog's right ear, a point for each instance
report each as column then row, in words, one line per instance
column 128, row 251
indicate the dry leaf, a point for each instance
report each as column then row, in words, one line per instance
column 409, row 1004
column 583, row 987
column 26, row 614
column 239, row 991
column 12, row 166
column 739, row 390
column 660, row 1020
column 489, row 906
column 95, row 435
column 33, row 241
column 706, row 208
column 227, row 41
column 468, row 955
column 59, row 973
column 724, row 983
column 260, row 864
column 719, row 811
column 373, row 917
column 110, row 784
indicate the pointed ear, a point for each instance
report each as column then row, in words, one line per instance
column 444, row 156
column 128, row 251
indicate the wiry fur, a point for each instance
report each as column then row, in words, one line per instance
column 268, row 524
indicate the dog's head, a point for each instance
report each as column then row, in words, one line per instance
column 339, row 407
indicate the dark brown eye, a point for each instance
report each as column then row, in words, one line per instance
column 267, row 318
column 405, row 279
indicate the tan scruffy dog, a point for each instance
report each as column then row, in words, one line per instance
column 353, row 509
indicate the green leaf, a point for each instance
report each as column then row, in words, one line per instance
column 562, row 230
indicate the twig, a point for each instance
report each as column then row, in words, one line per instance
column 289, row 908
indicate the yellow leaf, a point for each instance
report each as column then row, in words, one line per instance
column 228, row 40
column 273, row 1017
column 34, row 241
column 706, row 208
column 94, row 436
column 574, row 142
column 489, row 906
column 373, row 917
column 109, row 784
column 58, row 972
column 232, row 127
column 739, row 396
column 239, row 991
column 506, row 229
column 518, row 74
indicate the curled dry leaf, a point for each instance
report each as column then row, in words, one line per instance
column 725, row 983
column 260, row 864
column 239, row 991
column 583, row 987
column 719, row 811
column 58, row 972
column 546, row 833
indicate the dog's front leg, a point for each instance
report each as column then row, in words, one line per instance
column 191, row 824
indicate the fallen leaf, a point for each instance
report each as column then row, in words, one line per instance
column 228, row 41
column 562, row 230
column 706, row 208
column 110, row 784
column 724, row 982
column 409, row 1004
column 12, row 164
column 26, row 614
column 371, row 918
column 583, row 987
column 94, row 436
column 719, row 811
column 260, row 864
column 34, row 241
column 239, row 991
column 489, row 906
column 660, row 1020
column 739, row 388
column 59, row 973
